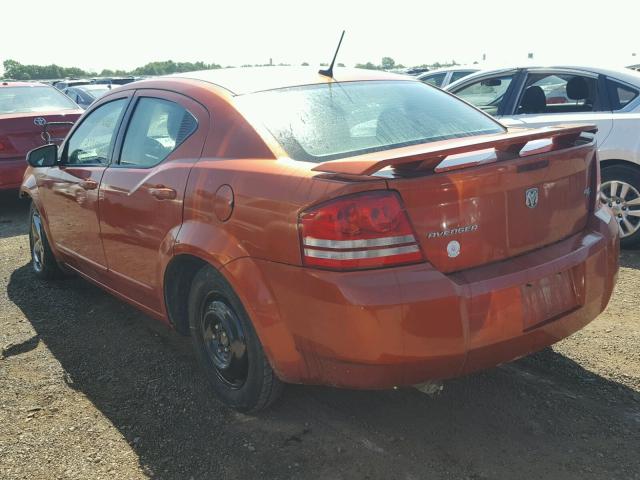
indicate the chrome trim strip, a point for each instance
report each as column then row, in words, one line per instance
column 363, row 243
column 359, row 254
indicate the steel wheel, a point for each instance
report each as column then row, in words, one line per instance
column 37, row 243
column 624, row 201
column 225, row 342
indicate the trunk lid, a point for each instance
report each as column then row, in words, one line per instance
column 22, row 132
column 483, row 205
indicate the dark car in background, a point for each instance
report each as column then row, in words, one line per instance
column 442, row 77
column 85, row 95
column 66, row 83
column 27, row 111
column 114, row 80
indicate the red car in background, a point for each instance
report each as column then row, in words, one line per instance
column 25, row 111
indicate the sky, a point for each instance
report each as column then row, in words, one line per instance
column 124, row 34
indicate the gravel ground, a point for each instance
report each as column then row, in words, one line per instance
column 90, row 388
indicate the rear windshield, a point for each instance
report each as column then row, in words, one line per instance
column 324, row 122
column 33, row 99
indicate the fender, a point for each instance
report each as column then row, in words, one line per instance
column 29, row 189
column 249, row 283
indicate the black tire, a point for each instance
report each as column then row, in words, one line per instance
column 43, row 262
column 629, row 175
column 240, row 375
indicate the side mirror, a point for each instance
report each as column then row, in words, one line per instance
column 45, row 156
column 491, row 82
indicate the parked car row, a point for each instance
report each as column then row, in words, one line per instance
column 85, row 95
column 75, row 82
column 443, row 77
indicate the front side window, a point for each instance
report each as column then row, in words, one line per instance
column 91, row 143
column 156, row 129
column 329, row 121
column 33, row 99
column 558, row 93
column 436, row 79
column 486, row 94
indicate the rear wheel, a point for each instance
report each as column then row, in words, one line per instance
column 227, row 345
column 42, row 260
column 620, row 190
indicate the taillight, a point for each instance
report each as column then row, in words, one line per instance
column 365, row 230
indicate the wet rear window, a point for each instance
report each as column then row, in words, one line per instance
column 329, row 121
column 33, row 99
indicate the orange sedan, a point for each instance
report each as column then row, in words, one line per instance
column 359, row 230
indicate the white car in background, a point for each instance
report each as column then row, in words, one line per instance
column 608, row 98
column 444, row 76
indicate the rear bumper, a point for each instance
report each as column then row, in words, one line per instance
column 11, row 173
column 407, row 325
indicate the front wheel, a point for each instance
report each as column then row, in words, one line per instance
column 42, row 260
column 620, row 190
column 227, row 345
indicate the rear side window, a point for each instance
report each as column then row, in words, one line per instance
column 33, row 99
column 620, row 95
column 436, row 79
column 329, row 121
column 156, row 129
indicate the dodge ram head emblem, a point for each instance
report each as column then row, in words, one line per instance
column 531, row 198
column 39, row 121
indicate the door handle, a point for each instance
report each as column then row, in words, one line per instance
column 163, row 193
column 88, row 184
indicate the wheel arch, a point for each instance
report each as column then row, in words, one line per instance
column 178, row 276
column 610, row 162
column 248, row 282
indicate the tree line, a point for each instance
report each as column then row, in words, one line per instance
column 17, row 71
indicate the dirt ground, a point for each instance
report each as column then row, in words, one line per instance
column 90, row 388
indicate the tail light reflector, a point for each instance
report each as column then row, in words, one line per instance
column 365, row 230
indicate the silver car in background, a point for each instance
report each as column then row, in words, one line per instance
column 608, row 98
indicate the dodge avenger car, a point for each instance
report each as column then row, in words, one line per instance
column 360, row 230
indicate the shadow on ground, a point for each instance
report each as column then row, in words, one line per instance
column 630, row 258
column 540, row 417
column 13, row 215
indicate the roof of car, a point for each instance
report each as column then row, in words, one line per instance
column 92, row 86
column 9, row 83
column 458, row 68
column 621, row 73
column 243, row 80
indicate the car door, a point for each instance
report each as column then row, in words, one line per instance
column 142, row 191
column 69, row 191
column 559, row 96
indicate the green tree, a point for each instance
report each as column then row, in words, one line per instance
column 387, row 63
column 368, row 66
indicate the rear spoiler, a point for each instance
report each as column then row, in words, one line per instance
column 428, row 156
